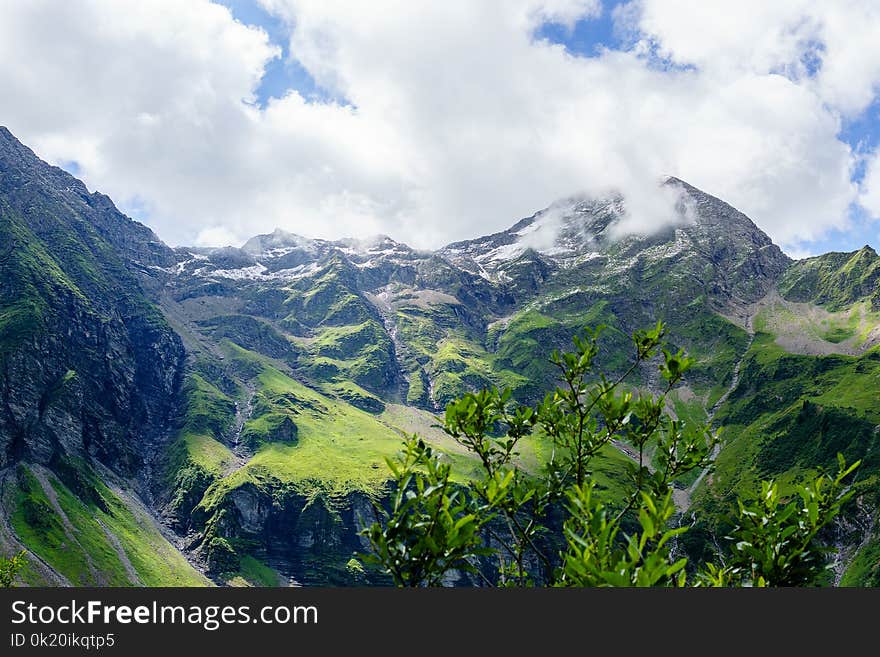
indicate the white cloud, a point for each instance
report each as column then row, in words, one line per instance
column 459, row 122
column 759, row 37
column 564, row 12
column 216, row 236
column 870, row 196
column 729, row 38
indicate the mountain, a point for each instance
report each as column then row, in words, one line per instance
column 89, row 377
column 235, row 405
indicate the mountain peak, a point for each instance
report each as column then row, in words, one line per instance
column 576, row 227
column 7, row 137
column 24, row 177
column 277, row 239
column 17, row 157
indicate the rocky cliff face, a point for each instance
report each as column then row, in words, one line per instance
column 89, row 366
column 90, row 374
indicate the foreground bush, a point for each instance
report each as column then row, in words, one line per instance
column 435, row 525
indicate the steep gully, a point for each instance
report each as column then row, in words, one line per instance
column 242, row 415
column 401, row 352
column 734, row 382
column 682, row 497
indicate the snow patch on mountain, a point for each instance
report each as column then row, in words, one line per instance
column 252, row 272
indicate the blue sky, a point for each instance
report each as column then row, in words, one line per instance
column 586, row 36
column 283, row 73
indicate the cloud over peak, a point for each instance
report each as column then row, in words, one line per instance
column 446, row 120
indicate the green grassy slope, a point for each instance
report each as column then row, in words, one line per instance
column 788, row 418
column 90, row 534
column 282, row 490
column 299, row 495
column 835, row 280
